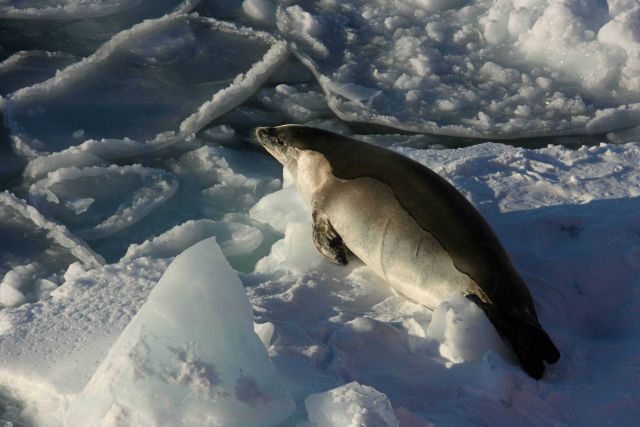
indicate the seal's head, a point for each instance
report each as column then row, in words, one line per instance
column 302, row 151
column 275, row 142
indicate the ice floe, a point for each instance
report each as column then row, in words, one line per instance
column 89, row 153
column 481, row 69
column 73, row 26
column 295, row 103
column 234, row 239
column 222, row 178
column 62, row 9
column 157, row 82
column 91, row 201
column 26, row 68
column 256, row 13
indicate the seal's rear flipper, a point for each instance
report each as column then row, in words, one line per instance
column 529, row 341
column 531, row 344
column 327, row 240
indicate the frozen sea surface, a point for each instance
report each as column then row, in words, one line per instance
column 127, row 145
column 497, row 69
column 147, row 83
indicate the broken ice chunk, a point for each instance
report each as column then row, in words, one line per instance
column 79, row 205
column 10, row 296
column 98, row 201
column 189, row 356
column 463, row 331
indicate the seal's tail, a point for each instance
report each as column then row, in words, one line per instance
column 529, row 341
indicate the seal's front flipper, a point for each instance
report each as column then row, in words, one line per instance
column 327, row 240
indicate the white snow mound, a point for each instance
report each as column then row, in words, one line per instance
column 352, row 405
column 463, row 331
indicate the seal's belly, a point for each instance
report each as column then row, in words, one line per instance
column 379, row 231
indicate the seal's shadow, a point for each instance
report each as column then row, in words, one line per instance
column 582, row 262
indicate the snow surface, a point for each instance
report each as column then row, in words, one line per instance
column 50, row 349
column 565, row 216
column 128, row 138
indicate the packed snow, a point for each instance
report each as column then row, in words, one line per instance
column 351, row 405
column 157, row 266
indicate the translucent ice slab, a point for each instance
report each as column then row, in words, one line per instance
column 190, row 356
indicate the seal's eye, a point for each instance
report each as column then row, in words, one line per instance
column 279, row 142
